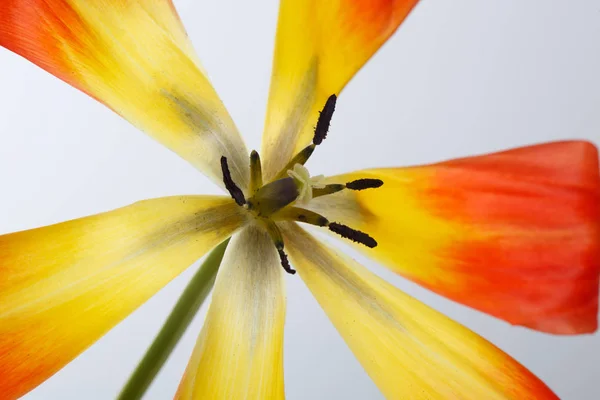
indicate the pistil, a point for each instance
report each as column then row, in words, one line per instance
column 300, row 158
column 273, row 196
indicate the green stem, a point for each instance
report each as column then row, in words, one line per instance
column 182, row 314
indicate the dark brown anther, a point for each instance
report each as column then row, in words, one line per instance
column 277, row 239
column 352, row 234
column 361, row 184
column 284, row 261
column 321, row 130
column 233, row 189
column 324, row 120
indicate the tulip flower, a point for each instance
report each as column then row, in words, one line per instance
column 514, row 234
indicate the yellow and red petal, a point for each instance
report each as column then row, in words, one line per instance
column 515, row 234
column 135, row 57
column 64, row 286
column 409, row 350
column 320, row 45
column 239, row 354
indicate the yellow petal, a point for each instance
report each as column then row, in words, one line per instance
column 320, row 45
column 409, row 350
column 135, row 57
column 64, row 286
column 239, row 354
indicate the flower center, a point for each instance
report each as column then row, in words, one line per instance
column 293, row 187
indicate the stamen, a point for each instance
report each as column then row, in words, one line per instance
column 233, row 189
column 328, row 189
column 285, row 263
column 352, row 234
column 277, row 238
column 256, row 180
column 361, row 184
column 310, row 217
column 302, row 215
column 324, row 120
column 321, row 130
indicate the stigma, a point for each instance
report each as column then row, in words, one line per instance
column 305, row 183
column 293, row 188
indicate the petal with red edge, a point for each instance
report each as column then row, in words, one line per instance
column 320, row 45
column 515, row 234
column 135, row 57
column 239, row 354
column 64, row 286
column 409, row 350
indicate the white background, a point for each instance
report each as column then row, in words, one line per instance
column 460, row 77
